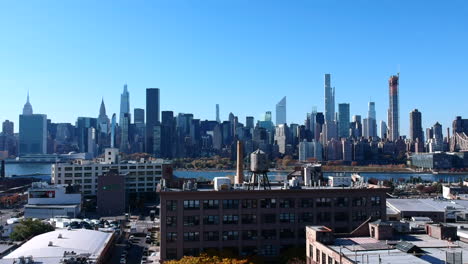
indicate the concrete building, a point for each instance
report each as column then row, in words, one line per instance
column 111, row 194
column 258, row 222
column 49, row 201
column 64, row 245
column 394, row 108
column 139, row 176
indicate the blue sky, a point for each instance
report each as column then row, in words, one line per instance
column 244, row 54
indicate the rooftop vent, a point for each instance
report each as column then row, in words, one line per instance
column 51, row 244
column 59, row 235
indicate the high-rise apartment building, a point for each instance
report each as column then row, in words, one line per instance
column 8, row 128
column 383, row 130
column 393, row 109
column 281, row 112
column 329, row 99
column 343, row 120
column 152, row 116
column 416, row 131
column 124, row 103
column 217, row 114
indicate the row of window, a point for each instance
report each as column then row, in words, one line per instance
column 306, row 217
column 90, row 174
column 285, row 233
column 321, row 202
column 87, row 168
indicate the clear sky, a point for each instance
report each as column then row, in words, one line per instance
column 243, row 54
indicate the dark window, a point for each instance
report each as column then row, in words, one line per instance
column 191, row 251
column 210, row 220
column 307, row 217
column 230, row 219
column 171, row 253
column 286, row 233
column 323, row 202
column 269, row 250
column 269, row 234
column 249, row 219
column 359, row 215
column 249, row 235
column 323, row 217
column 191, row 204
column 286, row 203
column 171, row 205
column 341, row 217
column 341, row 202
column 230, row 204
column 307, row 203
column 268, row 203
column 171, row 236
column 249, row 203
column 249, row 251
column 375, row 200
column 191, row 236
column 268, row 218
column 191, row 220
column 210, row 204
column 287, row 218
column 171, row 221
column 359, row 201
column 230, row 235
column 211, row 236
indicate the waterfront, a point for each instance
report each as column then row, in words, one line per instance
column 43, row 171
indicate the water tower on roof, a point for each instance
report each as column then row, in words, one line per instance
column 259, row 165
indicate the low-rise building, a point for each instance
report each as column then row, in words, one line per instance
column 46, row 201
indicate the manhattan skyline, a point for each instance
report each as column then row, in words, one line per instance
column 184, row 49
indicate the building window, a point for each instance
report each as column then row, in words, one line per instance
column 230, row 219
column 171, row 236
column 88, row 181
column 375, row 200
column 307, row 217
column 359, row 201
column 230, row 204
column 249, row 235
column 377, row 214
column 323, row 202
column 286, row 233
column 307, row 203
column 286, row 203
column 68, row 175
column 269, row 250
column 268, row 218
column 191, row 204
column 268, row 203
column 341, row 217
column 311, row 251
column 287, row 218
column 249, row 203
column 341, row 202
column 249, row 219
column 210, row 220
column 171, row 221
column 191, row 236
column 230, row 235
column 171, row 253
column 68, row 168
column 211, row 236
column 191, row 220
column 323, row 217
column 249, row 251
column 359, row 215
column 191, row 251
column 210, row 204
column 171, row 205
column 269, row 234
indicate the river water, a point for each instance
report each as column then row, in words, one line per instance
column 43, row 172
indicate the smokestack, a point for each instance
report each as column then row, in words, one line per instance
column 2, row 169
column 239, row 179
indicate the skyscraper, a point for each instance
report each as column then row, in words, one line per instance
column 32, row 131
column 8, row 128
column 416, row 131
column 370, row 123
column 152, row 116
column 343, row 120
column 124, row 103
column 217, row 114
column 139, row 116
column 371, row 111
column 103, row 119
column 383, row 129
column 437, row 128
column 249, row 122
column 329, row 99
column 281, row 112
column 393, row 109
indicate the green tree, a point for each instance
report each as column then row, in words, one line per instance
column 206, row 259
column 28, row 228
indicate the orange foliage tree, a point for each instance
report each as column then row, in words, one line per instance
column 205, row 259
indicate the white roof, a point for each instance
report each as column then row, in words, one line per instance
column 81, row 241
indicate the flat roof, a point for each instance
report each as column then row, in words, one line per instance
column 425, row 205
column 273, row 188
column 81, row 241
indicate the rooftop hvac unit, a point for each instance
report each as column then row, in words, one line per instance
column 222, row 183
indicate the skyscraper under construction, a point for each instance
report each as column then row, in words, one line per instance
column 393, row 108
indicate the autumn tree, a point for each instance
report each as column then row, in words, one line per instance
column 206, row 259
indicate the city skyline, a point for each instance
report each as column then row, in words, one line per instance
column 292, row 65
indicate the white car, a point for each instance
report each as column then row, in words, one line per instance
column 123, row 261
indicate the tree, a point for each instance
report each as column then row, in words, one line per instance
column 205, row 259
column 28, row 228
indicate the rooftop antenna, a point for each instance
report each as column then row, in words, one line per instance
column 398, row 70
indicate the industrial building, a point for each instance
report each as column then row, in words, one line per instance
column 139, row 176
column 61, row 245
column 46, row 201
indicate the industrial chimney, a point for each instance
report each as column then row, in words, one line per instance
column 240, row 164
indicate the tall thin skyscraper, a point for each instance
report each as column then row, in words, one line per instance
column 124, row 102
column 217, row 114
column 393, row 109
column 383, row 129
column 27, row 109
column 152, row 116
column 416, row 131
column 113, row 132
column 343, row 120
column 370, row 123
column 371, row 112
column 329, row 99
column 281, row 112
